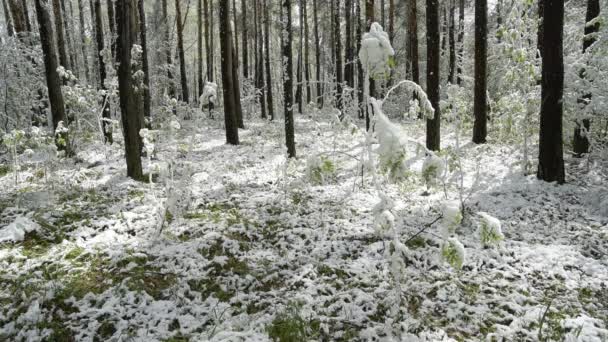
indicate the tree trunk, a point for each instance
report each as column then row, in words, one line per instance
column 244, row 37
column 480, row 127
column 53, row 81
column 105, row 112
column 68, row 39
column 541, row 28
column 317, row 54
column 167, row 41
column 259, row 63
column 83, row 41
column 180, row 49
column 237, row 86
column 581, row 142
column 383, row 14
column 269, row 98
column 112, row 23
column 299, row 95
column 26, row 14
column 128, row 100
column 349, row 65
column 208, row 46
column 306, row 51
column 551, row 158
column 370, row 18
column 412, row 42
column 230, row 119
column 235, row 34
column 391, row 20
column 452, row 40
column 338, row 44
column 460, row 42
column 63, row 56
column 7, row 19
column 286, row 39
column 18, row 16
column 199, row 47
column 144, row 63
column 360, row 74
column 432, row 73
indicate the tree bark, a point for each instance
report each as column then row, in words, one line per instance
column 580, row 143
column 541, row 28
column 317, row 54
column 269, row 98
column 180, row 49
column 63, row 56
column 237, row 87
column 7, row 19
column 112, row 24
column 370, row 18
column 167, row 41
column 105, row 112
column 433, row 137
column 306, row 51
column 460, row 42
column 208, row 45
column 480, row 127
column 244, row 37
column 53, row 81
column 360, row 73
column 128, row 100
column 68, row 38
column 349, row 66
column 412, row 42
column 286, row 39
column 259, row 63
column 83, row 42
column 452, row 41
column 338, row 51
column 18, row 16
column 144, row 63
column 199, row 47
column 26, row 14
column 230, row 119
column 551, row 157
column 299, row 95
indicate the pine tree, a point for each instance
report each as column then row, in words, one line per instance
column 480, row 129
column 230, row 116
column 286, row 39
column 432, row 73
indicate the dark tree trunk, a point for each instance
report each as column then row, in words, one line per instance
column 338, row 44
column 167, row 41
column 7, row 19
column 230, row 118
column 444, row 30
column 112, row 23
column 360, row 74
column 383, row 14
column 244, row 37
column 551, row 156
column 306, row 51
column 26, row 14
column 105, row 113
column 237, row 86
column 68, row 38
column 580, row 141
column 199, row 47
column 63, row 55
column 349, row 77
column 317, row 54
column 235, row 34
column 53, row 81
column 452, row 40
column 287, row 37
column 412, row 42
column 460, row 42
column 541, row 27
column 269, row 98
column 128, row 100
column 18, row 16
column 259, row 63
column 208, row 45
column 391, row 20
column 299, row 95
column 144, row 63
column 433, row 136
column 480, row 127
column 370, row 18
column 180, row 49
column 83, row 41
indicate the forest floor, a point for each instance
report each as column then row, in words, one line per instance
column 241, row 246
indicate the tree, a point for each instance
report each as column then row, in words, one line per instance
column 83, row 41
column 306, row 50
column 144, row 60
column 432, row 73
column 299, row 87
column 7, row 19
column 338, row 51
column 18, row 16
column 208, row 41
column 286, row 39
column 349, row 66
column 412, row 42
column 53, row 81
column 105, row 112
column 128, row 100
column 199, row 47
column 551, row 157
column 460, row 41
column 480, row 127
column 580, row 143
column 230, row 119
column 167, row 50
column 112, row 24
column 180, row 51
column 452, row 41
column 244, row 39
column 63, row 56
column 236, row 84
column 360, row 72
column 317, row 54
column 269, row 98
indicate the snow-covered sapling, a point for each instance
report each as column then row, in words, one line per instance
column 319, row 169
column 490, row 232
column 209, row 97
column 12, row 141
column 451, row 215
column 433, row 169
column 454, row 253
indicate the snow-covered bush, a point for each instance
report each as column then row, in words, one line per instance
column 451, row 213
column 453, row 253
column 490, row 232
column 319, row 169
column 433, row 169
column 209, row 97
column 376, row 52
column 391, row 152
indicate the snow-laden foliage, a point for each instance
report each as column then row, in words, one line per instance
column 209, row 95
column 17, row 229
column 490, row 232
column 376, row 52
column 451, row 213
column 454, row 253
column 433, row 169
column 319, row 169
column 391, row 152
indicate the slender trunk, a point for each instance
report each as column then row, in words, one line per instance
column 383, row 14
column 299, row 95
column 230, row 119
column 63, row 56
column 7, row 19
column 452, row 63
column 460, row 42
column 199, row 47
column 53, row 81
column 105, row 112
column 180, row 49
column 581, row 141
column 432, row 73
column 83, row 41
column 259, row 63
column 306, row 51
column 349, row 63
column 18, row 16
column 237, row 87
column 360, row 81
column 208, row 49
column 112, row 24
column 317, row 54
column 286, row 39
column 167, row 50
column 128, row 100
column 144, row 63
column 551, row 156
column 541, row 28
column 235, row 34
column 338, row 44
column 269, row 98
column 245, row 51
column 68, row 38
column 480, row 129
column 26, row 14
column 370, row 18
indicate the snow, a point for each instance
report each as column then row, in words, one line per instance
column 16, row 231
column 209, row 95
column 375, row 51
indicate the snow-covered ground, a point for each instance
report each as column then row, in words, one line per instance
column 243, row 246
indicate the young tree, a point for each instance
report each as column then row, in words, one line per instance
column 412, row 42
column 269, row 98
column 338, row 51
column 286, row 39
column 128, row 100
column 208, row 41
column 432, row 73
column 199, row 47
column 480, row 129
column 180, row 50
column 317, row 54
column 230, row 118
column 244, row 34
column 83, row 41
column 63, row 55
column 551, row 157
column 580, row 143
column 452, row 41
column 349, row 66
column 144, row 62
column 105, row 113
column 53, row 81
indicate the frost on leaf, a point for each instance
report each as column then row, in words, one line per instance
column 376, row 51
column 453, row 253
column 490, row 232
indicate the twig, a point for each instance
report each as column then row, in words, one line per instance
column 425, row 227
